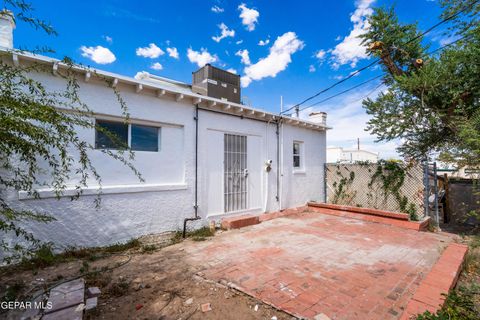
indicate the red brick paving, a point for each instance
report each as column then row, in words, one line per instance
column 310, row 263
column 443, row 277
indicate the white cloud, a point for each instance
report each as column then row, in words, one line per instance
column 108, row 39
column 232, row 70
column 157, row 66
column 277, row 60
column 244, row 55
column 263, row 42
column 350, row 49
column 224, row 34
column 152, row 51
column 239, row 42
column 320, row 55
column 141, row 75
column 349, row 120
column 249, row 16
column 312, row 68
column 201, row 57
column 217, row 9
column 98, row 54
column 173, row 52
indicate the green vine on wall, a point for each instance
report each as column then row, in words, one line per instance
column 342, row 193
column 390, row 175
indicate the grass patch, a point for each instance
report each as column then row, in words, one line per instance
column 196, row 235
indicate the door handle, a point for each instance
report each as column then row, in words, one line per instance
column 245, row 173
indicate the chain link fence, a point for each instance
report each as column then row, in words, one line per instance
column 386, row 185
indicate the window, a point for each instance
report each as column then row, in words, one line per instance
column 111, row 135
column 118, row 135
column 144, row 138
column 297, row 156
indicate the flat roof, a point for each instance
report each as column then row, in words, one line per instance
column 164, row 86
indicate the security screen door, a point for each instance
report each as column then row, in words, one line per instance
column 235, row 172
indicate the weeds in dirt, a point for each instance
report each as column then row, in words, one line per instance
column 85, row 267
column 149, row 248
column 120, row 288
column 196, row 235
column 98, row 279
column 119, row 247
column 45, row 256
column 12, row 292
column 459, row 305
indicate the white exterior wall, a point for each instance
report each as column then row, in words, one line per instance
column 131, row 209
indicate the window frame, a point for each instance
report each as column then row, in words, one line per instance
column 300, row 155
column 97, row 134
column 146, row 126
column 129, row 134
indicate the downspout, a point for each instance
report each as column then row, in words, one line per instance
column 195, row 206
column 277, row 197
column 267, row 182
column 282, row 153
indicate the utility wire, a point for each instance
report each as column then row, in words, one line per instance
column 343, row 92
column 377, row 77
column 453, row 16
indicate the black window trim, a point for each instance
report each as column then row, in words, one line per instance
column 129, row 133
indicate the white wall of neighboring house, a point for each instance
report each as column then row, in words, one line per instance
column 131, row 209
column 340, row 155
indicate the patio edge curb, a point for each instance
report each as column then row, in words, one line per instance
column 374, row 212
column 413, row 225
column 429, row 296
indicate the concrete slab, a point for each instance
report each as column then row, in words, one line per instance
column 311, row 264
column 71, row 313
column 66, row 295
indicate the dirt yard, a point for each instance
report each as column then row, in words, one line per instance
column 327, row 260
column 154, row 285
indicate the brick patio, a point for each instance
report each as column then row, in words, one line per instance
column 311, row 263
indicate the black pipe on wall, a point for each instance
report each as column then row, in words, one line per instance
column 195, row 207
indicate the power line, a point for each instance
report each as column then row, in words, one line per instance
column 383, row 56
column 377, row 77
column 345, row 91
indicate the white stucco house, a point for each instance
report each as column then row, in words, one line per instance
column 341, row 155
column 203, row 157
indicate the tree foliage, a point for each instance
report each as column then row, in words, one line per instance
column 432, row 101
column 39, row 144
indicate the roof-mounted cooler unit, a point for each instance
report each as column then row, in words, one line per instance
column 216, row 83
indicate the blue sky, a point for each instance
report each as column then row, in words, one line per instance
column 306, row 46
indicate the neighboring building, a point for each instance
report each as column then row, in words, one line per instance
column 197, row 153
column 340, row 155
column 454, row 171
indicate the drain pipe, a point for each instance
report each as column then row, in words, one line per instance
column 195, row 207
column 277, row 197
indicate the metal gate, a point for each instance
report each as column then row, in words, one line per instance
column 235, row 172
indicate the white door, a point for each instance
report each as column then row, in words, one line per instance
column 234, row 173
